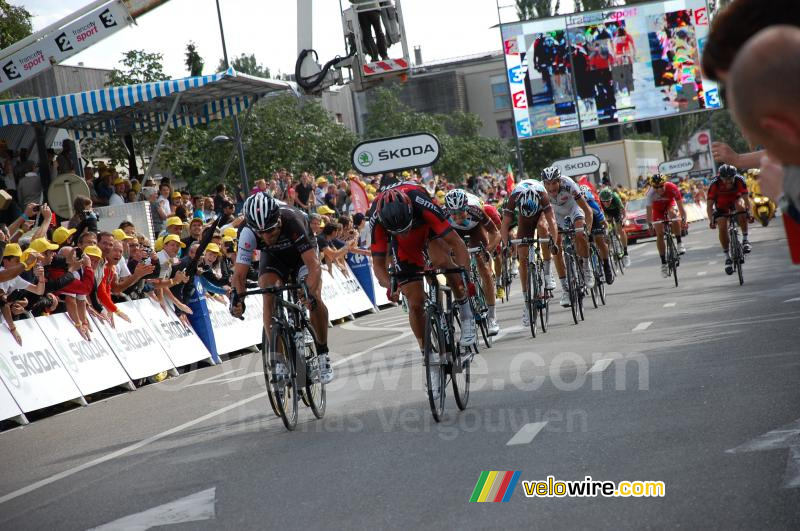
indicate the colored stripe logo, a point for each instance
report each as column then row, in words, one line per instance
column 495, row 486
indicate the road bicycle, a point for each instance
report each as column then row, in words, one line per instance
column 479, row 307
column 506, row 278
column 599, row 290
column 537, row 296
column 735, row 249
column 576, row 284
column 293, row 343
column 672, row 256
column 615, row 247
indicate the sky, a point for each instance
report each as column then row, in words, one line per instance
column 267, row 28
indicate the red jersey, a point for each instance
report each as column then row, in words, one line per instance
column 723, row 197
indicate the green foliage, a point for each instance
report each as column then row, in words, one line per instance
column 464, row 150
column 139, row 67
column 194, row 63
column 15, row 24
column 245, row 64
column 538, row 153
column 591, row 5
column 530, row 9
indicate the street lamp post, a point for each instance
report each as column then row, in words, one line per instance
column 236, row 129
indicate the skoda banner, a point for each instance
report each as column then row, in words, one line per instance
column 575, row 166
column 676, row 166
column 397, row 153
column 8, row 407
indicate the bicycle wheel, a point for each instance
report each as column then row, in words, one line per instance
column 505, row 277
column 601, row 290
column 460, row 378
column 618, row 253
column 434, row 370
column 483, row 309
column 315, row 395
column 581, row 290
column 532, row 295
column 672, row 259
column 285, row 390
column 738, row 259
column 572, row 285
column 593, row 272
column 266, row 356
column 543, row 303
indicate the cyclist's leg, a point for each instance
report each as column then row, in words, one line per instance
column 271, row 272
column 677, row 227
column 478, row 235
column 525, row 229
column 658, row 215
column 543, row 232
column 414, row 294
column 623, row 236
column 440, row 256
column 741, row 207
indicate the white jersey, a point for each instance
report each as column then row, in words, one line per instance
column 565, row 201
column 475, row 214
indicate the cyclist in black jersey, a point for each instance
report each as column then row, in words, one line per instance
column 288, row 250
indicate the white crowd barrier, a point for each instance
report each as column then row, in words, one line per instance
column 695, row 211
column 55, row 364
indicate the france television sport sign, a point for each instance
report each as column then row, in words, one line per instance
column 396, row 153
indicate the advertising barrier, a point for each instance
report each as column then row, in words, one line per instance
column 135, row 344
column 8, row 408
column 334, row 297
column 92, row 364
column 361, row 266
column 231, row 334
column 33, row 372
column 353, row 295
column 182, row 345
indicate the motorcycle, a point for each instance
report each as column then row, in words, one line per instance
column 763, row 208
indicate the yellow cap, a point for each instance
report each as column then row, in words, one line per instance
column 173, row 238
column 159, row 243
column 226, row 239
column 61, row 234
column 12, row 249
column 213, row 248
column 119, row 180
column 325, row 210
column 176, row 195
column 93, row 250
column 322, row 180
column 230, row 232
column 41, row 245
column 120, row 235
column 175, row 220
column 370, row 197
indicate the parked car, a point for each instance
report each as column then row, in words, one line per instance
column 635, row 224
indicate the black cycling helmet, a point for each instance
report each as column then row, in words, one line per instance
column 261, row 211
column 727, row 172
column 395, row 211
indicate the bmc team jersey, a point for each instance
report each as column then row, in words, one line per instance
column 526, row 184
column 295, row 236
column 429, row 221
column 476, row 215
column 725, row 198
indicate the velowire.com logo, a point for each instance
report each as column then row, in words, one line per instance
column 495, row 486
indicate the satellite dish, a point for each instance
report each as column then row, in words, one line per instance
column 62, row 192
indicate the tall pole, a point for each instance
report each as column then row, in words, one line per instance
column 520, row 167
column 236, row 130
column 574, row 83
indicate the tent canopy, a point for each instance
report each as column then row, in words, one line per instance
column 146, row 106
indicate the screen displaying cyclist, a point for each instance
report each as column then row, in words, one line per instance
column 614, row 209
column 599, row 232
column 287, row 251
column 661, row 200
column 569, row 205
column 469, row 218
column 405, row 221
column 530, row 200
column 726, row 194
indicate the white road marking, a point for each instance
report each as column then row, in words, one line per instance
column 796, row 299
column 787, row 436
column 506, row 331
column 128, row 449
column 144, row 442
column 600, row 365
column 194, row 508
column 526, row 433
column 702, row 273
column 216, row 377
column 669, row 305
column 712, row 262
column 642, row 326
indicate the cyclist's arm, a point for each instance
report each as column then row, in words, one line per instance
column 710, row 211
column 460, row 253
column 379, row 268
column 505, row 227
column 550, row 217
column 587, row 211
column 314, row 278
column 493, row 234
column 650, row 214
column 681, row 208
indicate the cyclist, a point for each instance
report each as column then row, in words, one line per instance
column 287, row 249
column 404, row 217
column 725, row 194
column 530, row 200
column 470, row 217
column 598, row 232
column 498, row 264
column 568, row 202
column 661, row 200
column 614, row 210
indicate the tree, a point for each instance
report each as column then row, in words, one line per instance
column 245, row 64
column 592, row 5
column 530, row 9
column 194, row 63
column 15, row 24
column 540, row 152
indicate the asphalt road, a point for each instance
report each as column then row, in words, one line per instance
column 694, row 372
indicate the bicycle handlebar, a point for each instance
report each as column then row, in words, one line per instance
column 528, row 241
column 734, row 215
column 274, row 289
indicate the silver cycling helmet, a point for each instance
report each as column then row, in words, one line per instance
column 551, row 173
column 261, row 211
column 528, row 203
column 456, row 200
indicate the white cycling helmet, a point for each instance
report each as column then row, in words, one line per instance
column 528, row 203
column 456, row 200
column 551, row 173
column 586, row 191
column 261, row 211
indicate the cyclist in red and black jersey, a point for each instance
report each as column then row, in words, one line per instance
column 728, row 193
column 405, row 219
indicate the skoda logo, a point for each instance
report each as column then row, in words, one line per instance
column 9, row 374
column 365, row 158
column 65, row 355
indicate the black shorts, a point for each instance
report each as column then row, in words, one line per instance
column 284, row 263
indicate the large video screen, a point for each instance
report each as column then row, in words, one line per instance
column 613, row 66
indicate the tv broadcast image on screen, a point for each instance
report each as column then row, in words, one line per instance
column 613, row 66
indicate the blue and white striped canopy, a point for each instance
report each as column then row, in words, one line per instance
column 144, row 107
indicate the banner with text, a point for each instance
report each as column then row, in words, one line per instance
column 232, row 334
column 8, row 407
column 181, row 343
